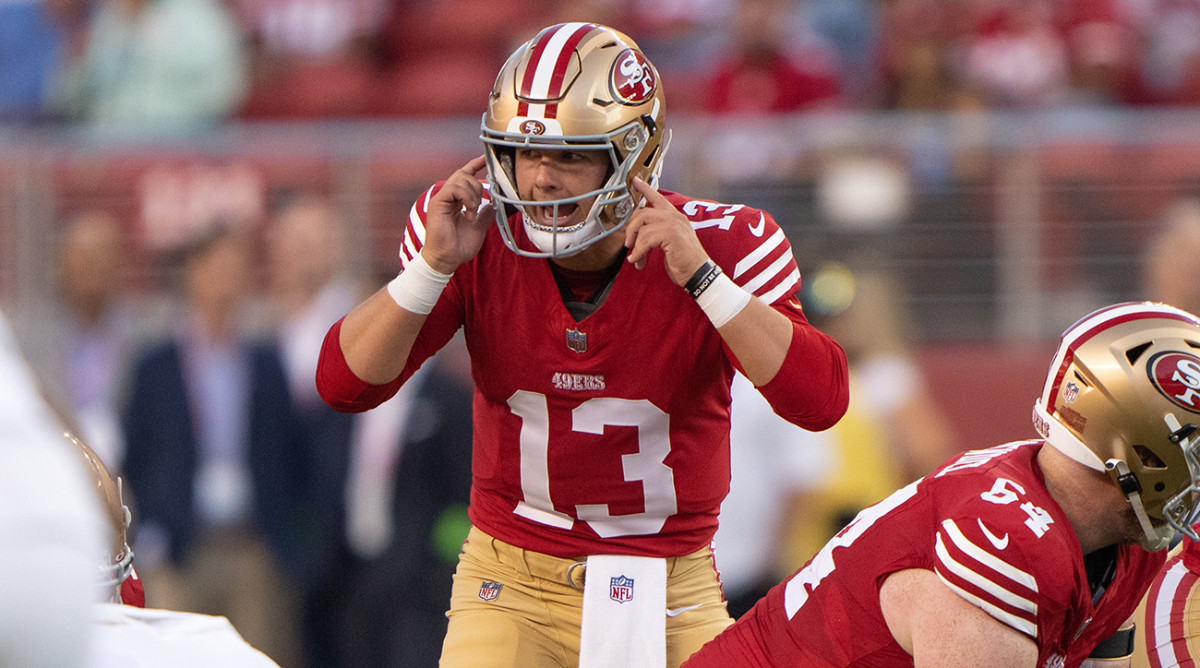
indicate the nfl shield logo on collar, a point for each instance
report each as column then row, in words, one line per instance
column 489, row 591
column 621, row 589
column 577, row 340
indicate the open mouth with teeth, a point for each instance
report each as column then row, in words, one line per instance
column 543, row 217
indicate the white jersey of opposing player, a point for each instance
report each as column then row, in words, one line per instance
column 54, row 534
column 124, row 636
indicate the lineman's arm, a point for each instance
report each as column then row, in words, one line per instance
column 940, row 628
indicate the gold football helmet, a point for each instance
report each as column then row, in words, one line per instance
column 117, row 564
column 1123, row 396
column 587, row 87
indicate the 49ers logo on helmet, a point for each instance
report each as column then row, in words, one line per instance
column 632, row 79
column 533, row 127
column 1177, row 376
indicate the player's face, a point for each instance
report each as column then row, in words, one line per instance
column 549, row 174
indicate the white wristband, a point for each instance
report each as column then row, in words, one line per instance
column 418, row 287
column 722, row 300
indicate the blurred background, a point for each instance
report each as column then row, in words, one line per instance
column 960, row 180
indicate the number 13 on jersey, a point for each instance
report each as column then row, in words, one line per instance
column 591, row 417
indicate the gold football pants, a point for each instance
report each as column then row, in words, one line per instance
column 514, row 608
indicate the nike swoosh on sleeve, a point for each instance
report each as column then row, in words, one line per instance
column 999, row 543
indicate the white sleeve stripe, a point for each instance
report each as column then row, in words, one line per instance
column 1023, row 625
column 415, row 220
column 759, row 253
column 986, row 558
column 982, row 581
column 408, row 251
column 774, row 269
column 788, row 286
column 1159, row 632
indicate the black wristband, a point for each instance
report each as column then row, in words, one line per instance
column 704, row 276
column 1118, row 646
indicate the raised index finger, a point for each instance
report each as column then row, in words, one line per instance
column 653, row 197
column 476, row 165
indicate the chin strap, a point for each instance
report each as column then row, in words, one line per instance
column 1154, row 539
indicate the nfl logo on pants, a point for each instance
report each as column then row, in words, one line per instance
column 620, row 589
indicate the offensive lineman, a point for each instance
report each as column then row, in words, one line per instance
column 605, row 320
column 1028, row 554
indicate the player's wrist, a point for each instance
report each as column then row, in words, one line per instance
column 443, row 267
column 419, row 286
column 702, row 278
column 717, row 295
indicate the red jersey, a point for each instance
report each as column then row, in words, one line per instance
column 132, row 591
column 610, row 434
column 1170, row 626
column 985, row 524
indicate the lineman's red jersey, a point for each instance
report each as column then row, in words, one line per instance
column 608, row 435
column 986, row 525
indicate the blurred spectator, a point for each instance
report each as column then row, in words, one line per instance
column 773, row 463
column 1167, row 275
column 81, row 346
column 32, row 45
column 1102, row 47
column 851, row 27
column 390, row 487
column 308, row 285
column 1014, row 56
column 1168, row 64
column 312, row 58
column 876, row 331
column 155, row 66
column 309, row 288
column 769, row 67
column 915, row 69
column 438, row 54
column 211, row 459
column 408, row 496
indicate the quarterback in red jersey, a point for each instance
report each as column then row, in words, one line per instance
column 1028, row 554
column 605, row 320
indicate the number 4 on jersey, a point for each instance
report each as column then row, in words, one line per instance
column 1005, row 491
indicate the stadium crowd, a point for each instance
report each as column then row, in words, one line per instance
column 195, row 62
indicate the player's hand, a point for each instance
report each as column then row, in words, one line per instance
column 455, row 225
column 658, row 224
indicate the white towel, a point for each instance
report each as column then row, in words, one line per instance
column 624, row 624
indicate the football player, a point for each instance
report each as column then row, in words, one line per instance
column 117, row 578
column 605, row 319
column 1033, row 553
column 1168, row 631
column 52, row 525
